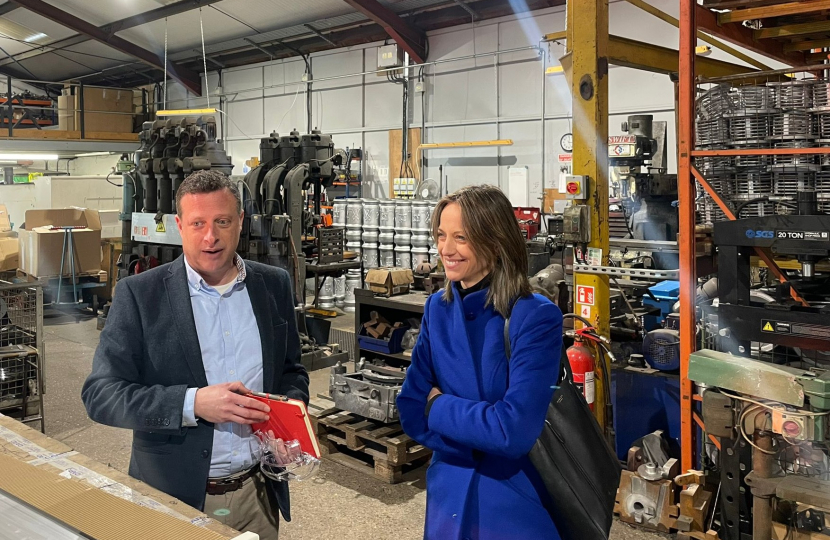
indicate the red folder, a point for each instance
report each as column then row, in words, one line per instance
column 289, row 421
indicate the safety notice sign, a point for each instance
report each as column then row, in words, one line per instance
column 585, row 295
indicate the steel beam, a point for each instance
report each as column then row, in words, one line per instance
column 648, row 8
column 411, row 40
column 467, row 8
column 780, row 10
column 739, row 35
column 8, row 7
column 588, row 47
column 111, row 28
column 792, row 30
column 320, row 35
column 183, row 75
column 645, row 56
column 686, row 237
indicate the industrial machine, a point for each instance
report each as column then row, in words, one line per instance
column 641, row 189
column 169, row 151
column 276, row 209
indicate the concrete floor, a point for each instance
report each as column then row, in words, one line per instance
column 338, row 503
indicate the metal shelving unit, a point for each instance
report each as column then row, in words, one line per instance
column 752, row 142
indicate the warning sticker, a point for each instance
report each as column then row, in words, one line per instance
column 160, row 227
column 813, row 331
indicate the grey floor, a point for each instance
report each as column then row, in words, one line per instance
column 338, row 503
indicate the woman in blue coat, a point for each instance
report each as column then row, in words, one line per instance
column 461, row 399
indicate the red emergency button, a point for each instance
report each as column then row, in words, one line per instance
column 573, row 188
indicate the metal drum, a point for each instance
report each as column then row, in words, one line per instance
column 370, row 255
column 387, row 215
column 339, row 213
column 354, row 281
column 370, row 236
column 420, row 216
column 325, row 299
column 387, row 255
column 386, row 237
column 354, row 213
column 420, row 255
column 354, row 235
column 403, row 215
column 403, row 257
column 420, row 240
column 433, row 255
column 403, row 239
column 354, row 247
column 371, row 213
column 340, row 292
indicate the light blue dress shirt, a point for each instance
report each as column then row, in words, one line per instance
column 231, row 351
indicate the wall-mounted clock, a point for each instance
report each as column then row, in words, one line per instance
column 567, row 142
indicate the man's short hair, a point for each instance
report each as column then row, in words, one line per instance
column 207, row 181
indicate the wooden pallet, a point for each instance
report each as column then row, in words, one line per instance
column 368, row 446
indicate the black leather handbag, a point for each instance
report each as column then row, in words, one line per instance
column 579, row 470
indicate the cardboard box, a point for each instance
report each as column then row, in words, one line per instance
column 9, row 247
column 95, row 499
column 389, row 281
column 98, row 102
column 41, row 245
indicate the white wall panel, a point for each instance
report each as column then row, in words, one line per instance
column 338, row 109
column 282, row 72
column 460, row 42
column 626, row 90
column 383, row 104
column 238, row 80
column 335, row 64
column 463, row 167
column 245, row 118
column 526, row 150
column 286, row 112
column 520, row 89
column 464, row 95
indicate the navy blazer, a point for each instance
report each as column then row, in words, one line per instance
column 149, row 355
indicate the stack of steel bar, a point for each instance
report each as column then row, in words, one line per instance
column 790, row 114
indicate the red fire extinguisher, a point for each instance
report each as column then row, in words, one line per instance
column 581, row 360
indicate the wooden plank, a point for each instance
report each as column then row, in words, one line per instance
column 54, row 134
column 788, row 30
column 806, row 45
column 395, row 143
column 779, row 10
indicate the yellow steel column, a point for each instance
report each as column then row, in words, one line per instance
column 588, row 45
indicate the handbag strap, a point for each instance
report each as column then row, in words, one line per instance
column 564, row 372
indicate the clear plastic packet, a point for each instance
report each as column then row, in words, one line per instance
column 284, row 460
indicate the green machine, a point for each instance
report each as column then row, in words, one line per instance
column 771, row 424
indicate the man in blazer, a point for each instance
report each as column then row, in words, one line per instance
column 183, row 344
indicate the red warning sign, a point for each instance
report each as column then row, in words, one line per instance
column 585, row 295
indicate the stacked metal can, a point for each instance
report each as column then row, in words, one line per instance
column 353, row 280
column 386, row 229
column 371, row 222
column 326, row 300
column 421, row 213
column 403, row 233
column 354, row 225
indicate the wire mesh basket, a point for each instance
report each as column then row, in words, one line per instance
column 21, row 351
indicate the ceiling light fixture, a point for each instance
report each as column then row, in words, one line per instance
column 24, row 157
column 186, row 112
column 93, row 154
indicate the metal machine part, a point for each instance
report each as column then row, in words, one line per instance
column 577, row 224
column 661, row 349
column 368, row 392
